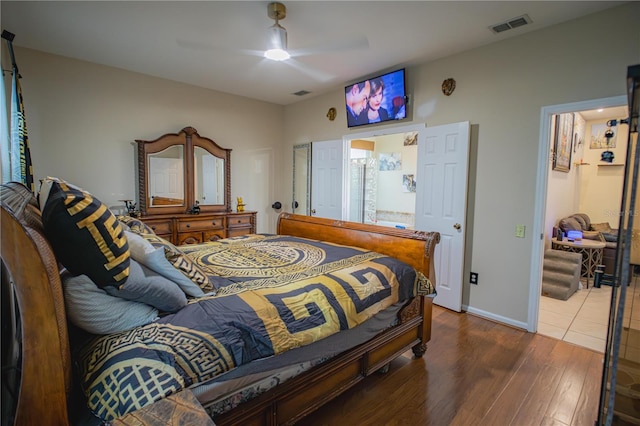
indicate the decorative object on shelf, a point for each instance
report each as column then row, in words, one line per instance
column 331, row 114
column 608, row 155
column 448, row 86
column 562, row 141
column 196, row 208
column 240, row 205
column 131, row 208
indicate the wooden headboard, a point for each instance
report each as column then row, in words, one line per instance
column 31, row 280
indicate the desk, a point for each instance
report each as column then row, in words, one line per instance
column 591, row 251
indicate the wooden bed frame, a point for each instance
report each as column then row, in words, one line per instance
column 30, row 277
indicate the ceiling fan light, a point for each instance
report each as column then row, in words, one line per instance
column 277, row 54
column 277, row 43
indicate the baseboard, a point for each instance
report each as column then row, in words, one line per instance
column 494, row 317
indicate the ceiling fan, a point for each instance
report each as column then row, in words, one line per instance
column 277, row 42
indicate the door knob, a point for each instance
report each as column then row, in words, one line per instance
column 313, row 211
column 457, row 226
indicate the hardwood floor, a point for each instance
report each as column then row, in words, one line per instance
column 476, row 372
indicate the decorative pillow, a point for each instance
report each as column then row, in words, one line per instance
column 584, row 220
column 569, row 224
column 136, row 225
column 92, row 309
column 146, row 286
column 154, row 258
column 602, row 227
column 181, row 261
column 85, row 235
column 592, row 235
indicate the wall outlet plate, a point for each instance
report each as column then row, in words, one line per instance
column 520, row 231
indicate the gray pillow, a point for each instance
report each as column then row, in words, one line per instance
column 92, row 309
column 145, row 286
column 569, row 224
column 154, row 258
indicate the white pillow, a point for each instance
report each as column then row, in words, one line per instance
column 92, row 309
column 154, row 258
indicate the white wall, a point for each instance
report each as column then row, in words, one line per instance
column 601, row 185
column 501, row 89
column 390, row 195
column 83, row 118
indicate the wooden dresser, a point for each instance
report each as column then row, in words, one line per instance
column 198, row 228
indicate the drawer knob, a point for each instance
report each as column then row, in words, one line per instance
column 153, row 227
column 188, row 225
column 239, row 221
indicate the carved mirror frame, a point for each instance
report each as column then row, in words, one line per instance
column 188, row 138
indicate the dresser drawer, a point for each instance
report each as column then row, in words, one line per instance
column 189, row 238
column 201, row 224
column 213, row 235
column 239, row 220
column 160, row 227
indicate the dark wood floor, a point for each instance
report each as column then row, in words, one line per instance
column 476, row 372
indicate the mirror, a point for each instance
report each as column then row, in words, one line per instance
column 209, row 177
column 179, row 171
column 302, row 179
column 166, row 177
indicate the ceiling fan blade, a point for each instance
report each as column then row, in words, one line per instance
column 343, row 45
column 315, row 74
column 201, row 45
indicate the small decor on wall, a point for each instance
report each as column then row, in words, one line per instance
column 578, row 131
column 408, row 183
column 562, row 142
column 389, row 161
column 411, row 138
column 448, row 86
column 598, row 139
column 331, row 114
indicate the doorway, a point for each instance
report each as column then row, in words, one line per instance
column 554, row 202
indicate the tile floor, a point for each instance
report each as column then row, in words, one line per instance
column 584, row 318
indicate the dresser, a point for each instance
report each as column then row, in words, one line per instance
column 198, row 228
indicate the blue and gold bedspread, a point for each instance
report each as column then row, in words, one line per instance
column 275, row 293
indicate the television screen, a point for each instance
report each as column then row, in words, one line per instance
column 376, row 100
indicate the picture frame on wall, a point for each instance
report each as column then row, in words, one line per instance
column 562, row 142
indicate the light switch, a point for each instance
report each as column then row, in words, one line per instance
column 520, row 231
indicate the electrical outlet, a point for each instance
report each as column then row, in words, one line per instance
column 520, row 231
column 473, row 278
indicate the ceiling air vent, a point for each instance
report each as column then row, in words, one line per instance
column 511, row 23
column 301, row 93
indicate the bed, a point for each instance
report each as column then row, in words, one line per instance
column 275, row 375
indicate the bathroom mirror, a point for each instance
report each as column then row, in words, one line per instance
column 302, row 179
column 179, row 170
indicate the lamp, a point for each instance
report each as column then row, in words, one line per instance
column 277, row 34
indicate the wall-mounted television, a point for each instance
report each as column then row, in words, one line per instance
column 376, row 100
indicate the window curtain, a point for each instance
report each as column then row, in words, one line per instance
column 16, row 155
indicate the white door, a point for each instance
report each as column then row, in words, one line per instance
column 441, row 203
column 210, row 182
column 166, row 179
column 259, row 195
column 326, row 179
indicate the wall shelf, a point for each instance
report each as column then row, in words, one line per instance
column 610, row 164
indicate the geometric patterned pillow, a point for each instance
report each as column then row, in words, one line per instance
column 181, row 262
column 85, row 235
column 136, row 225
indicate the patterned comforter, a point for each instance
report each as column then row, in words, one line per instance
column 275, row 293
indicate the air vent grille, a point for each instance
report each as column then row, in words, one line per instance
column 301, row 92
column 511, row 23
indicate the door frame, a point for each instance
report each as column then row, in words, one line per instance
column 542, row 177
column 370, row 134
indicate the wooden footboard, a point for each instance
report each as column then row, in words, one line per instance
column 296, row 398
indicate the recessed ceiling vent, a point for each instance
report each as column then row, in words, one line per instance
column 510, row 24
column 301, row 93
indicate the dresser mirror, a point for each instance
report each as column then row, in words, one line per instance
column 183, row 173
